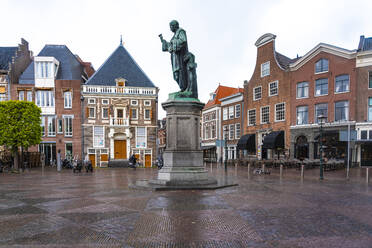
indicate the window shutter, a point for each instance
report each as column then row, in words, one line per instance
column 150, row 113
column 87, row 112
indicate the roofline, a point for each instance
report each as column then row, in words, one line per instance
column 323, row 47
column 231, row 96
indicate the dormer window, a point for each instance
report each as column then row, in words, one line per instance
column 321, row 66
column 212, row 96
column 120, row 82
column 46, row 67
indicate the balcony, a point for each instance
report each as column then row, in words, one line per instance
column 118, row 90
column 120, row 122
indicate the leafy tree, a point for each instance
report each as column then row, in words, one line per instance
column 20, row 126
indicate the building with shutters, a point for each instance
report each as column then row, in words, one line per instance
column 120, row 109
column 53, row 81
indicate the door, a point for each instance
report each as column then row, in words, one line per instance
column 92, row 158
column 147, row 160
column 120, row 149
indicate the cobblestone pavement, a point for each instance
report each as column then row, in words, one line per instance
column 49, row 209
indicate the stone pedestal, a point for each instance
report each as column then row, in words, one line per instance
column 183, row 159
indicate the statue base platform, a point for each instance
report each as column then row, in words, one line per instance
column 183, row 158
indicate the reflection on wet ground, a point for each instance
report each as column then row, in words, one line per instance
column 50, row 209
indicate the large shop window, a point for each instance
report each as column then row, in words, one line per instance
column 99, row 137
column 302, row 115
column 141, row 137
column 341, row 111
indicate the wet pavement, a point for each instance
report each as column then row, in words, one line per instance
column 49, row 209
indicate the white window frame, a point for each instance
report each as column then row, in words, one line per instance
column 91, row 117
column 231, row 112
column 29, row 93
column 238, row 106
column 65, row 118
column 277, row 88
column 134, row 102
column 104, row 101
column 21, row 95
column 308, row 90
column 340, row 92
column 265, row 71
column 254, row 93
column 315, row 72
column 103, row 135
column 136, row 113
column 144, row 114
column 320, row 92
column 225, row 114
column 347, row 113
column 255, row 117
column 225, row 135
column 231, row 131
column 91, row 101
column 262, row 113
column 141, row 136
column 43, row 128
column 240, row 131
column 105, row 118
column 276, row 120
column 67, row 99
column 50, row 132
column 59, row 124
column 147, row 102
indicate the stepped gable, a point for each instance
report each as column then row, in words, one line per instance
column 120, row 64
column 69, row 66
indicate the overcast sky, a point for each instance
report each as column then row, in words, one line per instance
column 221, row 33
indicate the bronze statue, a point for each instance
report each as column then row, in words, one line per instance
column 183, row 62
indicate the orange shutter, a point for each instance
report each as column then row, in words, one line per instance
column 87, row 112
column 150, row 113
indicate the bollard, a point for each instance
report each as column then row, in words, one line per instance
column 302, row 171
column 281, row 170
column 263, row 167
column 367, row 176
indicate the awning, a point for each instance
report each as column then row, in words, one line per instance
column 274, row 140
column 247, row 142
column 207, row 147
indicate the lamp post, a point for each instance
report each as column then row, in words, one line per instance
column 321, row 120
column 225, row 132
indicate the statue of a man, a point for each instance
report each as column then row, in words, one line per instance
column 177, row 47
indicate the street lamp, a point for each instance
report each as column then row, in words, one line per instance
column 225, row 131
column 321, row 121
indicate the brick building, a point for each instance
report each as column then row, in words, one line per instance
column 231, row 123
column 162, row 135
column 323, row 82
column 364, row 101
column 120, row 106
column 211, row 133
column 267, row 101
column 13, row 61
column 53, row 81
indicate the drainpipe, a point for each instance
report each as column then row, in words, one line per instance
column 82, row 127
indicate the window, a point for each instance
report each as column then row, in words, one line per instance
column 321, row 109
column 68, row 125
column 98, row 137
column 105, row 101
column 141, row 137
column 225, row 110
column 251, row 117
column 51, row 126
column 147, row 114
column 43, row 125
column 91, row 101
column 370, row 109
column 21, row 95
column 273, row 88
column 134, row 102
column 237, row 130
column 231, row 112
column 105, row 114
column 265, row 114
column 265, row 69
column 363, row 134
column 45, row 98
column 370, row 80
column 147, row 103
column 303, row 90
column 91, row 112
column 321, row 87
column 213, row 115
column 207, row 129
column 68, row 99
column 257, row 93
column 321, row 66
column 237, row 111
column 60, row 128
column 213, row 128
column 225, row 133
column 342, row 83
column 370, row 134
column 280, row 112
column 29, row 96
column 302, row 115
column 44, row 69
column 133, row 114
column 341, row 111
column 232, row 131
